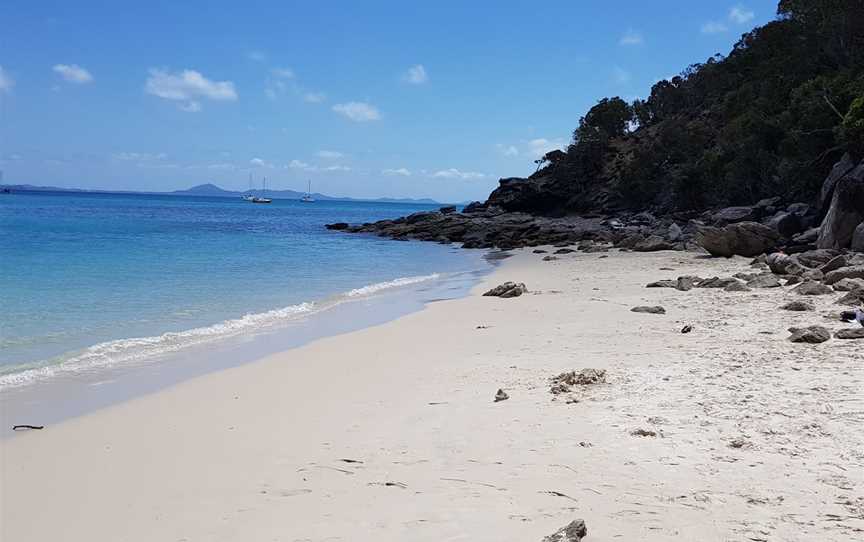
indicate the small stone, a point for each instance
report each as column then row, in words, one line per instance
column 764, row 281
column 739, row 443
column 854, row 333
column 501, row 395
column 811, row 334
column 812, row 288
column 687, row 329
column 649, row 309
column 540, row 251
column 643, row 433
column 663, row 284
column 574, row 532
column 549, row 258
column 798, row 306
column 564, row 251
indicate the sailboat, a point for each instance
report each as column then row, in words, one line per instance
column 307, row 197
column 248, row 195
column 263, row 199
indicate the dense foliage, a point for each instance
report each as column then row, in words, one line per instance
column 768, row 119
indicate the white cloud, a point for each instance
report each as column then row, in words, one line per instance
column 416, row 75
column 258, row 162
column 190, row 107
column 187, row 86
column 337, row 168
column 314, row 97
column 507, row 150
column 540, row 146
column 139, row 156
column 741, row 15
column 357, row 111
column 275, row 88
column 299, row 164
column 73, row 73
column 283, row 73
column 257, row 56
column 400, row 171
column 6, row 82
column 454, row 173
column 620, row 75
column 714, row 27
column 631, row 37
column 329, row 155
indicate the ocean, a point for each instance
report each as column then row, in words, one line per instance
column 92, row 282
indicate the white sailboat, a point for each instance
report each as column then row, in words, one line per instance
column 264, row 198
column 307, row 197
column 248, row 195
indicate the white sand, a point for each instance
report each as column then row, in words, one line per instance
column 254, row 453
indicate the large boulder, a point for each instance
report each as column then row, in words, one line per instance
column 840, row 169
column 846, row 211
column 742, row 238
column 786, row 224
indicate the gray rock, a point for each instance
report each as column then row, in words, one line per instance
column 813, row 274
column 847, row 285
column 853, row 298
column 835, row 263
column 564, row 251
column 816, row 258
column 793, row 279
column 675, row 233
column 337, row 226
column 811, row 334
column 649, row 309
column 730, row 215
column 663, row 284
column 737, row 287
column 574, row 532
column 858, row 238
column 840, row 170
column 687, row 282
column 798, row 306
column 786, row 224
column 447, row 209
column 717, row 282
column 501, row 395
column 764, row 281
column 743, row 238
column 846, row 211
column 852, row 272
column 807, row 237
column 508, row 289
column 564, row 382
column 850, row 333
column 549, row 258
column 812, row 288
column 653, row 243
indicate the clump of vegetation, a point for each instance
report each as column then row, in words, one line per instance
column 770, row 118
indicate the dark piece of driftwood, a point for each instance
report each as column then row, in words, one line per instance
column 25, row 426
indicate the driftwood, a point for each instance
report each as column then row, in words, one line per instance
column 25, row 426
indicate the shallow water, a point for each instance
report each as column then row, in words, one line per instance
column 96, row 282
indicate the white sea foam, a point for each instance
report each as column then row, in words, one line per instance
column 140, row 349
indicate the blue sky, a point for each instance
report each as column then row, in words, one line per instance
column 366, row 99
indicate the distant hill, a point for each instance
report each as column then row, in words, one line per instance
column 211, row 190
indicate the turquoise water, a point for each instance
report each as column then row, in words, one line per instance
column 99, row 280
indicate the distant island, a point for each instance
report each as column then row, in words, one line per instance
column 213, row 191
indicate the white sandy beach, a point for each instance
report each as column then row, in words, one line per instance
column 757, row 438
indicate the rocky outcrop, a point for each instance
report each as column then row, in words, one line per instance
column 846, row 211
column 851, row 272
column 742, row 239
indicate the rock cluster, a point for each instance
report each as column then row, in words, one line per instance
column 564, row 382
column 508, row 289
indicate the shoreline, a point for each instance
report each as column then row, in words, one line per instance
column 754, row 436
column 68, row 392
